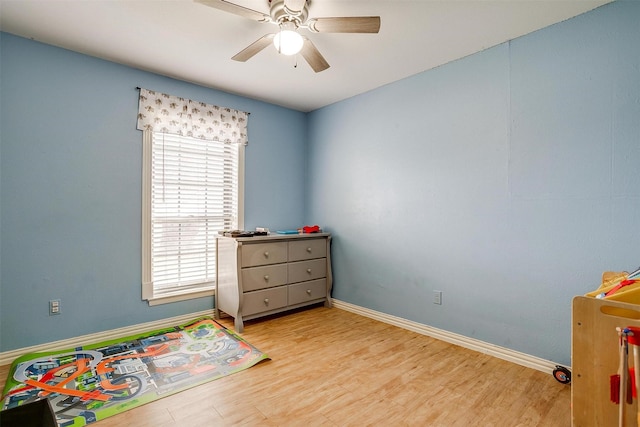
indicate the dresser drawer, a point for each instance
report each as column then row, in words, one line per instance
column 264, row 300
column 307, row 249
column 307, row 270
column 254, row 254
column 266, row 276
column 307, row 291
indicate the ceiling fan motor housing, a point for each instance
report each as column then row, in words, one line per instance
column 280, row 13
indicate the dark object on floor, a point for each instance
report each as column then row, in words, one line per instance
column 34, row 414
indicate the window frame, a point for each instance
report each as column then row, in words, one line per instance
column 148, row 290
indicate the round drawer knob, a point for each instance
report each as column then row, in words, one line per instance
column 309, row 270
column 266, row 254
column 266, row 301
column 266, row 277
column 309, row 291
column 309, row 250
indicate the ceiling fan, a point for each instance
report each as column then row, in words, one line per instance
column 290, row 16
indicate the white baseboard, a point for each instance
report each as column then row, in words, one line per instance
column 9, row 356
column 517, row 357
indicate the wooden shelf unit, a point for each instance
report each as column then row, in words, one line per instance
column 595, row 357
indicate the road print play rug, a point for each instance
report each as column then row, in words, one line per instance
column 90, row 383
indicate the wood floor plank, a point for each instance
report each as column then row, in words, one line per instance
column 330, row 367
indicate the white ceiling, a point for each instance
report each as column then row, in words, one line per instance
column 195, row 43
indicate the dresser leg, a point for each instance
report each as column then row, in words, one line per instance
column 238, row 324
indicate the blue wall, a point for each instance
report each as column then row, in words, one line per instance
column 507, row 179
column 70, row 177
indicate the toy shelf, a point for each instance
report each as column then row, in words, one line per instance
column 595, row 357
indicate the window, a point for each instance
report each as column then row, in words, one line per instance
column 192, row 188
column 192, row 191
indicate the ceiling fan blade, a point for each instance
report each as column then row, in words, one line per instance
column 313, row 56
column 236, row 9
column 254, row 48
column 295, row 5
column 347, row 24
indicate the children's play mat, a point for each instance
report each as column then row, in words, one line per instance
column 89, row 383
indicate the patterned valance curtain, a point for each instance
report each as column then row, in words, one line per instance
column 159, row 112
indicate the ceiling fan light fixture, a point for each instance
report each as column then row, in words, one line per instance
column 288, row 42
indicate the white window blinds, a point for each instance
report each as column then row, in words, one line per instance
column 192, row 189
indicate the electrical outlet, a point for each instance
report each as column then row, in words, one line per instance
column 54, row 307
column 437, row 297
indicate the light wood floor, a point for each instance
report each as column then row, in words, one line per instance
column 330, row 367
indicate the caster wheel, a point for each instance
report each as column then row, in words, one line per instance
column 562, row 375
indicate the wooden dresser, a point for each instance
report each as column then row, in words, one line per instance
column 262, row 275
